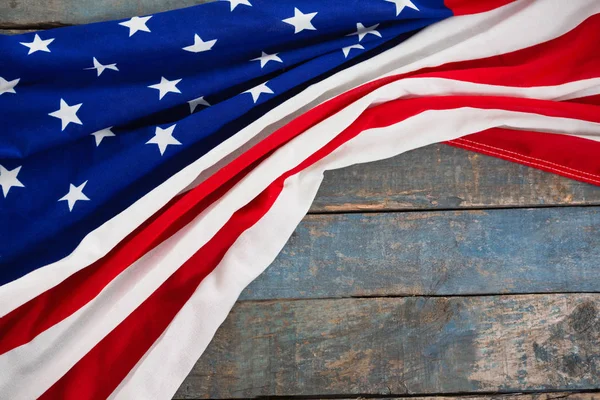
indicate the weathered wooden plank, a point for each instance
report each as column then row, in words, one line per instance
column 16, row 31
column 437, row 253
column 499, row 396
column 443, row 177
column 503, row 396
column 397, row 346
column 26, row 13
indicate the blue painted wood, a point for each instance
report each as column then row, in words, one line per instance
column 15, row 31
column 512, row 396
column 443, row 177
column 26, row 13
column 437, row 253
column 397, row 346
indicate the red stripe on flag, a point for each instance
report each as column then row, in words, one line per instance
column 560, row 60
column 570, row 156
column 568, row 58
column 102, row 369
column 577, row 158
column 27, row 321
column 463, row 7
column 587, row 100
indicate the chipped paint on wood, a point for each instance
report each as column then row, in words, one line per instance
column 437, row 253
column 502, row 396
column 27, row 13
column 444, row 177
column 16, row 31
column 397, row 346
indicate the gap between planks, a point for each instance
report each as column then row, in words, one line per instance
column 416, row 296
column 441, row 210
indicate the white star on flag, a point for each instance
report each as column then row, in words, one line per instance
column 347, row 49
column 99, row 67
column 8, row 179
column 301, row 21
column 166, row 86
column 101, row 134
column 163, row 138
column 75, row 194
column 8, row 86
column 197, row 102
column 361, row 31
column 265, row 58
column 67, row 114
column 234, row 3
column 400, row 4
column 136, row 24
column 258, row 90
column 37, row 44
column 200, row 45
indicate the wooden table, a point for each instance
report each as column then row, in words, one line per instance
column 437, row 273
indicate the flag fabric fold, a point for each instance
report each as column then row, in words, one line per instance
column 127, row 317
column 166, row 89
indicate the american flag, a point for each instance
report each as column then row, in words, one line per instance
column 152, row 167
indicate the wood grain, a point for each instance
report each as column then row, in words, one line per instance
column 51, row 13
column 397, row 346
column 443, row 177
column 437, row 253
column 501, row 396
column 529, row 396
column 15, row 31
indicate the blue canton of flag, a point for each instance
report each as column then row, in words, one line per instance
column 94, row 117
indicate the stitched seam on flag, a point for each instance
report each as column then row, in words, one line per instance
column 558, row 170
column 529, row 157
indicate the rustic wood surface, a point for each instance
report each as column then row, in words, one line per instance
column 444, row 177
column 396, row 346
column 518, row 396
column 437, row 253
column 15, row 31
column 493, row 257
column 277, row 344
column 529, row 396
column 53, row 13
